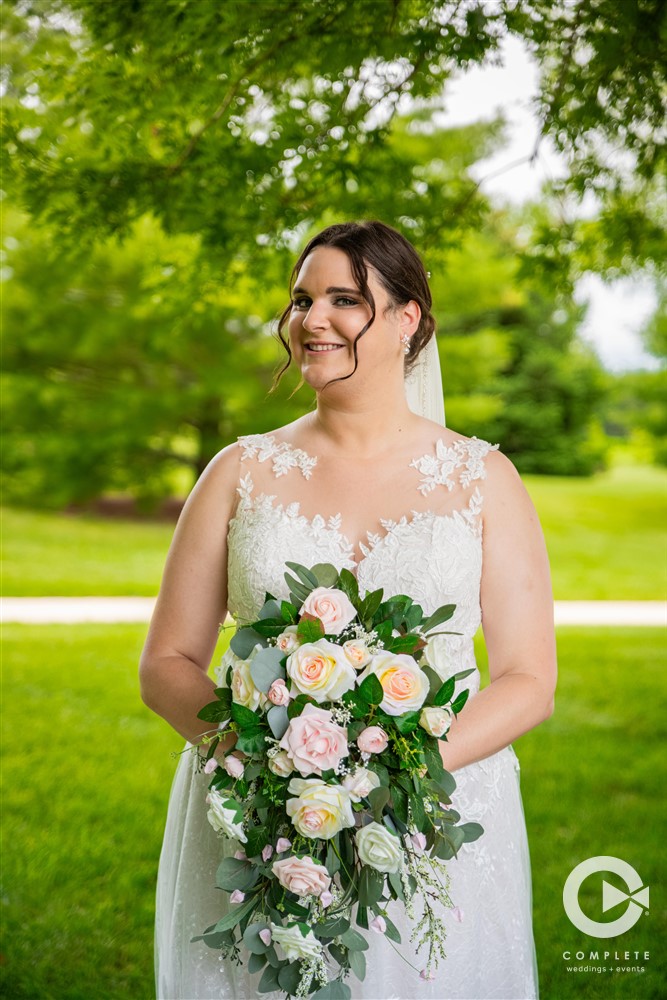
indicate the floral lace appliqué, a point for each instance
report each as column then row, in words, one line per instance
column 468, row 456
column 285, row 457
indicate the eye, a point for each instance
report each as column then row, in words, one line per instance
column 342, row 300
column 301, row 302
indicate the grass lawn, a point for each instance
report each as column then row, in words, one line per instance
column 606, row 538
column 87, row 774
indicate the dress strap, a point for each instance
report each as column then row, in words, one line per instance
column 282, row 454
column 464, row 459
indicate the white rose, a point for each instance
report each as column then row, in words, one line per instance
column 436, row 654
column 357, row 653
column 224, row 816
column 333, row 608
column 321, row 670
column 320, row 810
column 436, row 721
column 281, row 764
column 243, row 688
column 230, row 659
column 379, row 848
column 361, row 783
column 294, row 943
column 287, row 641
column 404, row 683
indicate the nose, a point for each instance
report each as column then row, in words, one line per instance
column 316, row 318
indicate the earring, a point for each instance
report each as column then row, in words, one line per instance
column 405, row 340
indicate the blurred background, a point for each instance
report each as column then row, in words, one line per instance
column 163, row 163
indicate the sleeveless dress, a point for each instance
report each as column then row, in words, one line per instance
column 436, row 558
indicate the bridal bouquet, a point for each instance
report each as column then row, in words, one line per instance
column 335, row 785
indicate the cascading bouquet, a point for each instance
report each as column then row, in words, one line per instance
column 335, row 786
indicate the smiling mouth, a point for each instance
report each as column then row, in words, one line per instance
column 322, row 348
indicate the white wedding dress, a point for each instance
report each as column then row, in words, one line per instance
column 434, row 554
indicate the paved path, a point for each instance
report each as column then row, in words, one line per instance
column 48, row 610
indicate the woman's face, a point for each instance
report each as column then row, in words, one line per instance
column 327, row 314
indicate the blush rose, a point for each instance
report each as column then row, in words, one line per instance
column 314, row 742
column 333, row 608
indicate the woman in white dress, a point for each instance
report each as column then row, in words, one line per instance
column 372, row 480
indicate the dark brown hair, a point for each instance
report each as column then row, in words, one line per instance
column 400, row 271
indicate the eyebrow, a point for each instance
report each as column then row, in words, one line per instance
column 332, row 290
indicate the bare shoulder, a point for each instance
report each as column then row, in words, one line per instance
column 216, row 487
column 505, row 495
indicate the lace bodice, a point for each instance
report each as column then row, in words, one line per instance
column 431, row 554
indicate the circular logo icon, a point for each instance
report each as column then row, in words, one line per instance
column 636, row 897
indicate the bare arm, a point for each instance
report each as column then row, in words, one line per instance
column 518, row 624
column 192, row 602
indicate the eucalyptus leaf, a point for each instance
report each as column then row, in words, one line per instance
column 266, row 667
column 334, row 990
column 252, row 940
column 270, row 609
column 357, row 961
column 236, row 914
column 244, row 641
column 269, row 981
column 305, row 575
column 234, row 873
column 354, row 940
column 326, row 573
column 289, row 977
column 278, row 720
column 471, row 832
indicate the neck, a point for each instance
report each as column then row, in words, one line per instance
column 363, row 424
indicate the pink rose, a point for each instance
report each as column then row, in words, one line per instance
column 288, row 640
column 279, row 692
column 302, row 876
column 404, row 683
column 372, row 740
column 314, row 742
column 233, row 767
column 334, row 609
column 357, row 653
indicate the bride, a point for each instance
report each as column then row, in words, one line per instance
column 373, row 481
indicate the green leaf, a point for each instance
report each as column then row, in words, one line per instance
column 371, row 885
column 448, row 842
column 289, row 612
column 266, row 667
column 459, row 702
column 256, row 962
column 251, row 742
column 327, row 575
column 309, row 630
column 391, row 931
column 289, row 977
column 215, row 711
column 357, row 961
column 440, row 615
column 445, row 693
column 234, row 873
column 378, row 799
column 258, row 838
column 354, row 940
column 332, row 862
column 404, row 644
column 471, row 832
column 297, row 706
column 236, row 914
column 399, row 800
column 244, row 717
column 244, row 641
column 300, row 591
column 417, row 811
column 270, row 609
column 370, row 604
column 269, row 981
column 362, row 917
column 332, row 928
column 278, row 720
column 334, row 990
column 252, row 940
column 349, row 585
column 214, row 940
column 305, row 575
column 406, row 723
column 394, row 879
column 464, row 673
column 371, row 690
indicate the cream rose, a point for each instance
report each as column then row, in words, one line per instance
column 302, row 876
column 224, row 815
column 321, row 670
column 334, row 608
column 379, row 848
column 436, row 721
column 437, row 653
column 373, row 739
column 404, row 684
column 357, row 653
column 287, row 641
column 361, row 783
column 320, row 810
column 314, row 742
column 243, row 688
column 296, row 946
column 281, row 765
